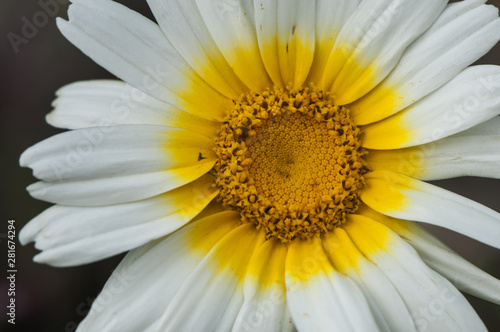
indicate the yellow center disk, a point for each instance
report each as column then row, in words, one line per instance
column 290, row 161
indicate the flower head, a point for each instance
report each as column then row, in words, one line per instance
column 264, row 162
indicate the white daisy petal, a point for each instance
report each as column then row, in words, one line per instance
column 150, row 276
column 296, row 39
column 331, row 16
column 211, row 296
column 108, row 102
column 383, row 298
column 266, row 22
column 464, row 33
column 143, row 57
column 464, row 275
column 433, row 302
column 372, row 42
column 487, row 128
column 73, row 235
column 454, row 10
column 469, row 99
column 183, row 25
column 320, row 298
column 450, row 157
column 286, row 35
column 476, row 156
column 111, row 165
column 264, row 307
column 232, row 26
column 410, row 199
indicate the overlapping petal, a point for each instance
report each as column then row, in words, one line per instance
column 142, row 56
column 471, row 98
column 383, row 298
column 320, row 297
column 296, row 39
column 110, row 103
column 463, row 33
column 211, row 296
column 442, row 259
column 454, row 156
column 111, row 165
column 264, row 291
column 432, row 301
column 184, row 27
column 331, row 16
column 152, row 275
column 232, row 26
column 371, row 43
column 71, row 235
column 410, row 199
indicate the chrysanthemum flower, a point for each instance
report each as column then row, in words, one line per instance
column 264, row 162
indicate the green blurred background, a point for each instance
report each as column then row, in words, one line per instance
column 56, row 299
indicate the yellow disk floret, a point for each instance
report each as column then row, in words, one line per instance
column 290, row 161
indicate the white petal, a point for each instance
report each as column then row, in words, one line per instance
column 143, row 285
column 320, row 298
column 450, row 157
column 464, row 33
column 266, row 19
column 184, row 27
column 487, row 128
column 433, row 302
column 296, row 39
column 464, row 275
column 286, row 35
column 469, row 99
column 232, row 26
column 136, row 50
column 73, row 236
column 331, row 16
column 111, row 165
column 452, row 11
column 265, row 307
column 372, row 42
column 384, row 300
column 402, row 197
column 211, row 296
column 108, row 102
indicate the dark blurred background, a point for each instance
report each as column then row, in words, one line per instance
column 56, row 299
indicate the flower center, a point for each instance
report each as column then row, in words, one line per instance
column 290, row 161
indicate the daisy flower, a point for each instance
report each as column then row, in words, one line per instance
column 264, row 162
